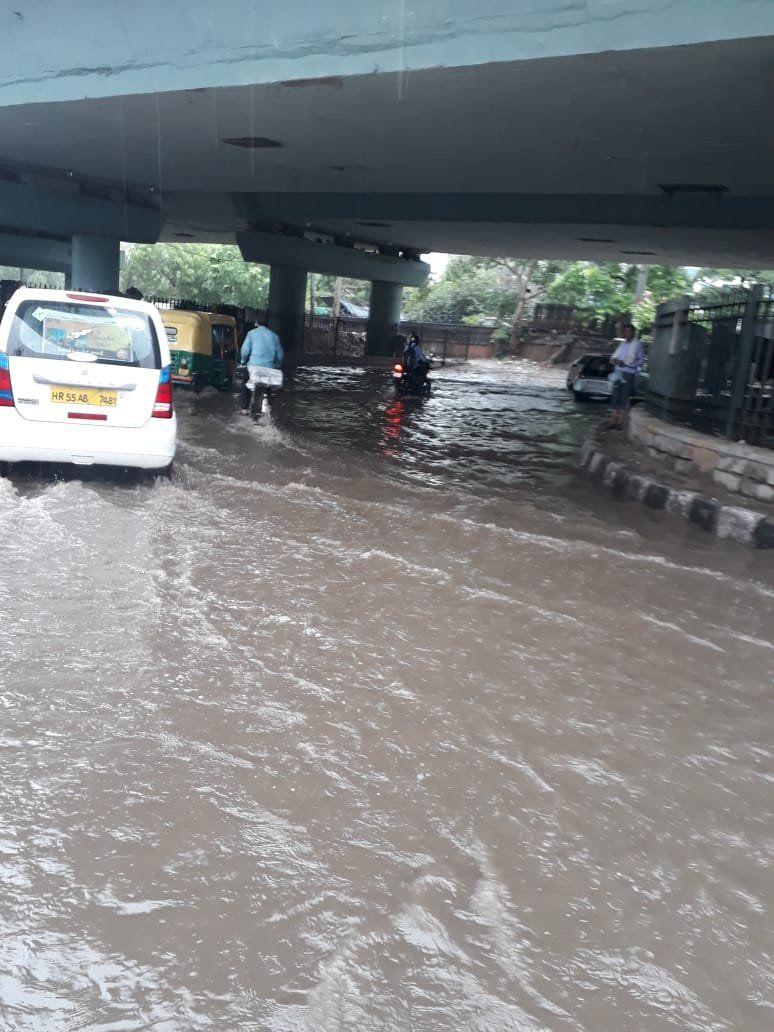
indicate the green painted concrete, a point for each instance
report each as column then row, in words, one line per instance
column 64, row 212
column 28, row 252
column 287, row 295
column 95, row 264
column 69, row 51
column 383, row 318
column 325, row 258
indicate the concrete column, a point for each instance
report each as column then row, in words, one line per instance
column 287, row 299
column 383, row 318
column 95, row 263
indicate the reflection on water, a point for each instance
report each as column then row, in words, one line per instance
column 380, row 718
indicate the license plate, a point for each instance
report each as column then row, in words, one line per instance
column 84, row 396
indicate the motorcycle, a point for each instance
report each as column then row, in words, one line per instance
column 260, row 382
column 412, row 381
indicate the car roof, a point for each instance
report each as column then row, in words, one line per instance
column 82, row 296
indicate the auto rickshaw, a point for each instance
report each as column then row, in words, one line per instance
column 203, row 347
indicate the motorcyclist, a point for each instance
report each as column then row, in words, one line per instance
column 261, row 349
column 415, row 361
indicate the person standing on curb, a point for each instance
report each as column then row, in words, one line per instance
column 627, row 360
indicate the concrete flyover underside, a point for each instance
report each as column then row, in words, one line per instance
column 657, row 155
column 365, row 134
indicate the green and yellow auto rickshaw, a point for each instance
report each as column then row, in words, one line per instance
column 203, row 346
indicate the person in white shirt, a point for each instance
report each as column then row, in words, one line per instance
column 627, row 361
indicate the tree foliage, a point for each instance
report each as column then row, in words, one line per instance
column 356, row 291
column 710, row 281
column 211, row 273
column 479, row 290
column 499, row 290
column 491, row 291
column 38, row 277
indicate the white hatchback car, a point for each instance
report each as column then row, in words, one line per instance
column 587, row 377
column 85, row 379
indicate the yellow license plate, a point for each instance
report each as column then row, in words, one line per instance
column 84, row 396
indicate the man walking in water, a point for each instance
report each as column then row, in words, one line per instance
column 261, row 349
column 627, row 361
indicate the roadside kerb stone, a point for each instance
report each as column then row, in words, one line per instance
column 736, row 466
column 731, row 481
column 656, row 496
column 763, row 535
column 637, row 486
column 679, row 502
column 761, row 492
column 731, row 522
column 738, row 524
column 705, row 513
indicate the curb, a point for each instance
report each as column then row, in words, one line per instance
column 724, row 521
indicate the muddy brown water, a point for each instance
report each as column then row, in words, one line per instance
column 382, row 717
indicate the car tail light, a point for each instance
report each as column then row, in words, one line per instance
column 87, row 297
column 6, row 391
column 397, row 368
column 162, row 406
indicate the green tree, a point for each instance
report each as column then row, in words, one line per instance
column 609, row 289
column 663, row 282
column 710, row 281
column 467, row 291
column 354, row 290
column 36, row 276
column 210, row 273
column 482, row 290
column 596, row 289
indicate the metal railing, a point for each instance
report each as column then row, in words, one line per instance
column 566, row 318
column 336, row 338
column 345, row 337
column 711, row 365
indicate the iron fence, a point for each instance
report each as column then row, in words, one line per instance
column 711, row 365
column 345, row 337
column 568, row 318
column 335, row 338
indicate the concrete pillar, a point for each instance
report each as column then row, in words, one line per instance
column 383, row 318
column 95, row 263
column 287, row 299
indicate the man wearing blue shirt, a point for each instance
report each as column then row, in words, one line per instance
column 261, row 349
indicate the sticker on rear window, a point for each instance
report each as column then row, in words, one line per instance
column 131, row 322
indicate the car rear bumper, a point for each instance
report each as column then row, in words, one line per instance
column 601, row 388
column 147, row 447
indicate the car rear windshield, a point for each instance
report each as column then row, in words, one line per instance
column 59, row 329
column 597, row 367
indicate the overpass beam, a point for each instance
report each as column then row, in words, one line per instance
column 34, row 252
column 95, row 263
column 287, row 299
column 329, row 259
column 383, row 318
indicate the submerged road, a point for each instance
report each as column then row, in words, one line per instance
column 381, row 718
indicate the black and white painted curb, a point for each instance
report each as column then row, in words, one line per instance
column 725, row 521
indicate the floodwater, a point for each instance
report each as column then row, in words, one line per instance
column 381, row 717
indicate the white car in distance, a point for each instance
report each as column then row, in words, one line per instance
column 85, row 379
column 587, row 377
